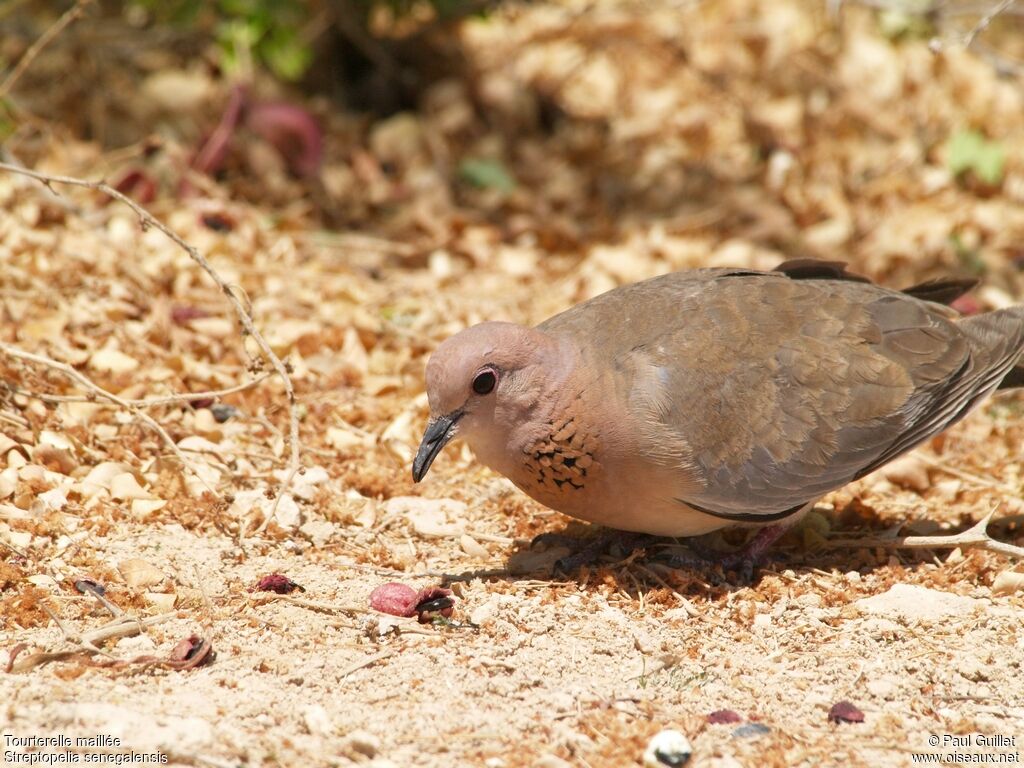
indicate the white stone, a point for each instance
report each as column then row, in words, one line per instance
column 912, row 602
column 667, row 748
column 317, row 721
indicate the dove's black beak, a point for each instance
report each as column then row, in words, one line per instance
column 439, row 431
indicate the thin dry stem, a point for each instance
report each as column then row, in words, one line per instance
column 71, row 15
column 976, row 536
column 90, row 385
column 985, row 20
column 149, row 402
column 88, row 643
column 148, row 220
column 316, row 605
column 367, row 662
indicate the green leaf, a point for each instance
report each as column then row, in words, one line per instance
column 285, row 53
column 969, row 150
column 896, row 24
column 7, row 124
column 486, row 174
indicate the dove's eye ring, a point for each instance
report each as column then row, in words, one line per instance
column 483, row 383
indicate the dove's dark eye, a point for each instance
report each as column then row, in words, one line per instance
column 484, row 382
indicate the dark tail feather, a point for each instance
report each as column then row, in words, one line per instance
column 1014, row 379
column 940, row 291
column 815, row 269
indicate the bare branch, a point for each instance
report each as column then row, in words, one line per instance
column 976, row 536
column 87, row 643
column 985, row 20
column 148, row 220
column 71, row 15
column 149, row 402
column 90, row 385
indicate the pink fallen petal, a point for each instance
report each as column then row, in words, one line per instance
column 211, row 155
column 138, row 185
column 399, row 599
column 395, row 599
column 294, row 133
column 279, row 583
column 720, row 716
column 182, row 314
column 433, row 602
column 192, row 652
column 966, row 305
column 845, row 712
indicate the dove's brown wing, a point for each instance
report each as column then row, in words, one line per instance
column 776, row 390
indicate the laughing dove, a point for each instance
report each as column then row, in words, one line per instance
column 702, row 399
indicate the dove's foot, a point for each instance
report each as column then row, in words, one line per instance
column 587, row 551
column 743, row 561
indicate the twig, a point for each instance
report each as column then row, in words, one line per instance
column 985, row 20
column 316, row 605
column 939, row 12
column 88, row 642
column 367, row 662
column 71, row 15
column 976, row 536
column 15, row 419
column 86, row 382
column 148, row 402
column 148, row 220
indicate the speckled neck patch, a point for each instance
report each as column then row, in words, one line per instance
column 561, row 461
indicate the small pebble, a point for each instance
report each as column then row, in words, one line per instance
column 668, row 747
column 362, row 743
column 222, row 412
column 751, row 731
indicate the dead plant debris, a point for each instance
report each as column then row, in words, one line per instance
column 208, row 382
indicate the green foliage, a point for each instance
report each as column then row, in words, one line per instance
column 269, row 32
column 907, row 19
column 7, row 123
column 969, row 150
column 486, row 174
column 445, row 9
column 263, row 31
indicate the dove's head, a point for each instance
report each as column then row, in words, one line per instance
column 487, row 384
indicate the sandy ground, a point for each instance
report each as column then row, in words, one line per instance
column 688, row 135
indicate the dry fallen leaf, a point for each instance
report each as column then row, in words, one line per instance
column 112, row 361
column 125, row 487
column 1008, row 582
column 139, row 574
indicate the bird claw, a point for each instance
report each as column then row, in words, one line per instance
column 587, row 551
column 743, row 561
column 744, row 568
column 548, row 540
